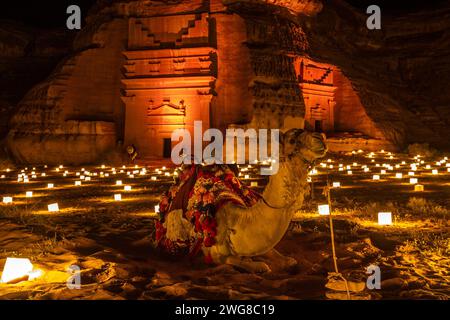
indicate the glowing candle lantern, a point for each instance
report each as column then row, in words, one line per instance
column 349, row 172
column 384, row 218
column 50, row 185
column 127, row 188
column 366, row 169
column 411, row 173
column 448, row 169
column 118, row 197
column 43, row 174
column 324, row 210
column 246, row 176
column 77, row 174
column 418, row 188
column 78, row 183
column 447, row 165
column 413, row 180
column 16, row 269
column 82, row 177
column 383, row 172
column 118, row 182
column 103, row 166
column 341, row 169
column 399, row 175
column 29, row 194
column 254, row 184
column 7, row 200
column 167, row 174
column 427, row 167
column 434, row 171
column 157, row 209
column 53, row 207
column 153, row 178
column 2, row 176
column 87, row 179
column 336, row 184
column 376, row 177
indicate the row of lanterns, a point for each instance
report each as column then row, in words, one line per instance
column 384, row 218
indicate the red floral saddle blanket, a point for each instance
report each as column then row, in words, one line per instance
column 200, row 191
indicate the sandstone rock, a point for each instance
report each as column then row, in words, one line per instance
column 140, row 69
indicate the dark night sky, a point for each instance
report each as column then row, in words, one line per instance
column 52, row 13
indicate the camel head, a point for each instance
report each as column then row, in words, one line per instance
column 309, row 146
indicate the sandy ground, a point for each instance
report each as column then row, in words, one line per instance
column 111, row 242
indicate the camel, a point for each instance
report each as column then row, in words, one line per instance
column 244, row 233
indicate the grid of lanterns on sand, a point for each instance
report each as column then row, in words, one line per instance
column 379, row 167
column 382, row 167
column 42, row 182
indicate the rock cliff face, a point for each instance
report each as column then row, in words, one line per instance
column 27, row 56
column 401, row 72
column 239, row 57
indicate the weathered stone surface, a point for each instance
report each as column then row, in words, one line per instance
column 143, row 68
column 400, row 72
column 26, row 57
column 74, row 116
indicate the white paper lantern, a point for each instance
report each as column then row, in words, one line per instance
column 434, row 171
column 29, row 194
column 127, row 188
column 50, row 185
column 254, row 184
column 118, row 182
column 78, row 183
column 53, row 207
column 157, row 209
column 118, row 197
column 384, row 218
column 399, row 175
column 336, row 184
column 376, row 177
column 418, row 188
column 7, row 200
column 16, row 269
column 324, row 209
column 413, row 180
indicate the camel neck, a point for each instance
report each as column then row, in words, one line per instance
column 276, row 193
